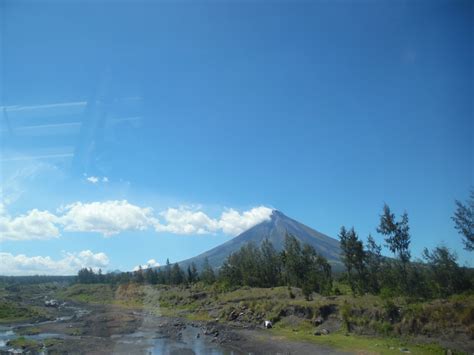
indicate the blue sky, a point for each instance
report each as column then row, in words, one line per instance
column 206, row 112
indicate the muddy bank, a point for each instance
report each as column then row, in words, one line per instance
column 82, row 328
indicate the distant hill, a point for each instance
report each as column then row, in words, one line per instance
column 275, row 230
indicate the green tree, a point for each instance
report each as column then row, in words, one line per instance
column 316, row 274
column 270, row 267
column 230, row 272
column 86, row 276
column 167, row 273
column 353, row 257
column 292, row 260
column 396, row 233
column 177, row 275
column 244, row 267
column 446, row 275
column 150, row 276
column 373, row 261
column 397, row 237
column 207, row 274
column 192, row 272
column 464, row 221
column 305, row 268
column 139, row 278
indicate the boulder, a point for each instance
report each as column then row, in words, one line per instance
column 322, row 331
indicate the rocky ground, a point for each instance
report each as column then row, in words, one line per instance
column 105, row 329
column 100, row 319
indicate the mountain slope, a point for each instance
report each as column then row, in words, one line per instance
column 275, row 230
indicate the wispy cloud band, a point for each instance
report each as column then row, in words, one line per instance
column 69, row 264
column 113, row 217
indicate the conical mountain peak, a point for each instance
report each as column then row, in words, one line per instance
column 275, row 230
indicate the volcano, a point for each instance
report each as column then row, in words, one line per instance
column 275, row 229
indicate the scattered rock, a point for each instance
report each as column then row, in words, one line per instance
column 232, row 316
column 268, row 324
column 199, row 295
column 322, row 331
column 318, row 321
column 51, row 303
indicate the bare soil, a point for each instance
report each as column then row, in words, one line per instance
column 106, row 329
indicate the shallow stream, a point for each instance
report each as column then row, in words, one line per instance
column 189, row 340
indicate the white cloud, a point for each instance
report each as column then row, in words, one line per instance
column 185, row 220
column 112, row 217
column 69, row 264
column 108, row 218
column 97, row 179
column 93, row 179
column 234, row 223
column 149, row 264
column 34, row 224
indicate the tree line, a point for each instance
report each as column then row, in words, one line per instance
column 297, row 265
column 366, row 270
column 170, row 274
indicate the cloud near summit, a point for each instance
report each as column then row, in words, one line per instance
column 185, row 220
column 113, row 217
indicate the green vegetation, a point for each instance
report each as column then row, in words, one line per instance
column 127, row 295
column 74, row 331
column 35, row 280
column 13, row 312
column 50, row 342
column 378, row 304
column 28, row 331
column 33, row 346
column 99, row 293
column 464, row 221
column 20, row 302
column 354, row 322
column 366, row 270
column 297, row 265
column 359, row 344
column 25, row 344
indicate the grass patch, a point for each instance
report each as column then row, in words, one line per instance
column 11, row 312
column 24, row 343
column 199, row 316
column 50, row 342
column 28, row 331
column 358, row 344
column 96, row 293
column 374, row 324
column 74, row 331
